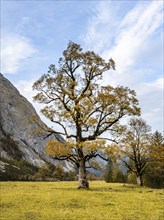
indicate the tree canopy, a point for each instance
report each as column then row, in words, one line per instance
column 75, row 99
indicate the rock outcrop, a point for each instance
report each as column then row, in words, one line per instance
column 20, row 123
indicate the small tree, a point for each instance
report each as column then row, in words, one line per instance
column 108, row 173
column 157, row 139
column 155, row 176
column 135, row 148
column 83, row 108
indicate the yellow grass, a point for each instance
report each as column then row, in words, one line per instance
column 63, row 201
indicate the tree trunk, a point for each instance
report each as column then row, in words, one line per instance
column 83, row 183
column 139, row 180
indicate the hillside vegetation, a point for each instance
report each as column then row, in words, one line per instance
column 63, row 201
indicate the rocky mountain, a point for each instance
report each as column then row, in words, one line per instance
column 22, row 133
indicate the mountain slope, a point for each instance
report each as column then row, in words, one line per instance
column 21, row 126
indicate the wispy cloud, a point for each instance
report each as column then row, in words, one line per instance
column 156, row 85
column 136, row 28
column 14, row 52
column 132, row 39
column 100, row 28
column 151, row 99
column 25, row 88
column 122, row 37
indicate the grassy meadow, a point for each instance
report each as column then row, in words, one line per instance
column 63, row 201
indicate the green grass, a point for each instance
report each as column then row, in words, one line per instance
column 63, row 201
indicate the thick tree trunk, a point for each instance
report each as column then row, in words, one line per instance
column 83, row 183
column 139, row 180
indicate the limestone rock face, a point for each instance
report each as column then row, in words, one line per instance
column 20, row 122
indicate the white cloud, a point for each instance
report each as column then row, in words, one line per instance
column 146, row 88
column 15, row 50
column 136, row 48
column 100, row 28
column 134, row 30
column 128, row 33
column 151, row 98
column 25, row 88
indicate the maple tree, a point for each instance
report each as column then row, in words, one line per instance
column 75, row 100
column 135, row 148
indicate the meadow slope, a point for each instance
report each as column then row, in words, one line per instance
column 63, row 201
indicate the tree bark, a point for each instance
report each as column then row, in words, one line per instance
column 139, row 180
column 83, row 183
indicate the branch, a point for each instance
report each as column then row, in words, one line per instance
column 46, row 94
column 66, row 72
column 65, row 134
column 128, row 166
column 70, row 157
column 91, row 155
column 96, row 110
column 103, row 158
column 53, row 132
column 98, row 132
column 108, row 139
column 57, row 122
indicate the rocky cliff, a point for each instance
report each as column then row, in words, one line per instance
column 21, row 129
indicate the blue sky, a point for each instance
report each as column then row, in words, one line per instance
column 34, row 34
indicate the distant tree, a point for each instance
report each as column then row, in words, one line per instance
column 44, row 172
column 108, row 173
column 113, row 172
column 83, row 108
column 156, row 139
column 155, row 176
column 135, row 148
column 59, row 173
